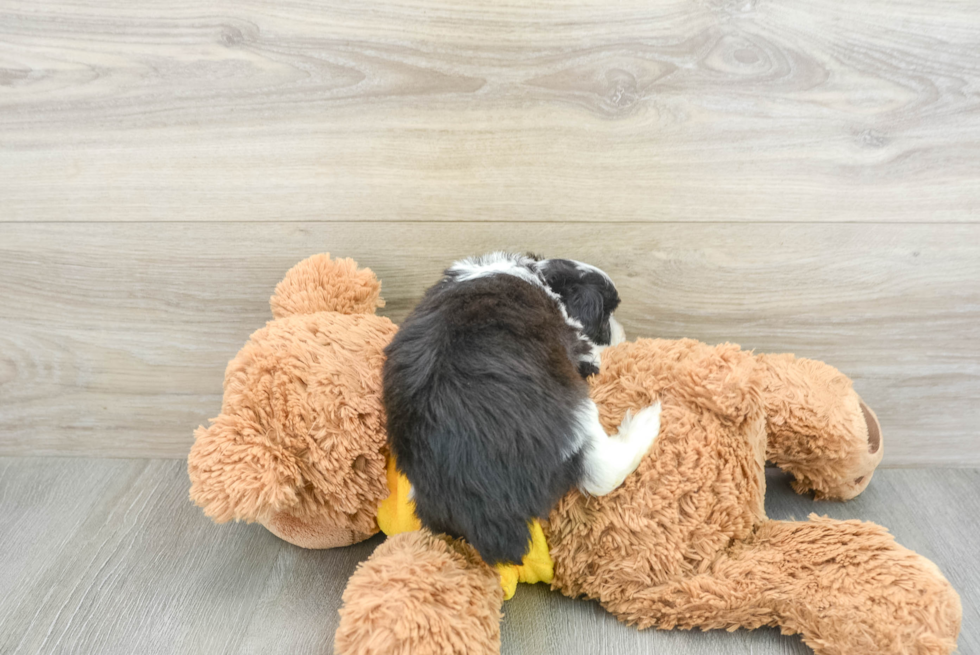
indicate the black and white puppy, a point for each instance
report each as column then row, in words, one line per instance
column 489, row 415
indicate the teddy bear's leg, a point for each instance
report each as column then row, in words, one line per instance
column 818, row 428
column 845, row 586
column 421, row 594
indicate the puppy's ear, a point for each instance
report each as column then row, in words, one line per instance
column 584, row 303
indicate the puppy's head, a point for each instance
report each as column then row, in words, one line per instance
column 589, row 296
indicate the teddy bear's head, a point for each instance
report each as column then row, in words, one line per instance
column 299, row 445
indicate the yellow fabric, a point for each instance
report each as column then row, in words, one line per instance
column 535, row 567
column 396, row 514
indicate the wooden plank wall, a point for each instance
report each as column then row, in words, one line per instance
column 793, row 176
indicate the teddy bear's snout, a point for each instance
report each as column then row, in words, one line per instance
column 317, row 533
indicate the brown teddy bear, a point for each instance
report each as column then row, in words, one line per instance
column 685, row 542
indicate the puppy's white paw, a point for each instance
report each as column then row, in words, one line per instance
column 644, row 427
column 610, row 460
column 641, row 430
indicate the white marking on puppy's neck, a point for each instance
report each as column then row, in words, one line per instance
column 497, row 263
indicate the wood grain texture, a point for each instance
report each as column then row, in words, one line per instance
column 114, row 337
column 108, row 556
column 685, row 110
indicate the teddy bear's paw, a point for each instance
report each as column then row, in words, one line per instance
column 856, row 465
column 421, row 593
column 818, row 427
column 873, row 427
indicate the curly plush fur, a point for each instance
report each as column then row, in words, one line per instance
column 819, row 429
column 439, row 597
column 684, row 543
column 300, row 442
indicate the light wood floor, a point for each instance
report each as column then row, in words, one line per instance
column 108, row 556
column 796, row 176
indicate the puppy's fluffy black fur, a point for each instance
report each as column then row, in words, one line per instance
column 481, row 387
column 588, row 296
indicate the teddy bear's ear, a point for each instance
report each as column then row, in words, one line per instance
column 237, row 477
column 322, row 284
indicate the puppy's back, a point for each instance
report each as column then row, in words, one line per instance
column 481, row 394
